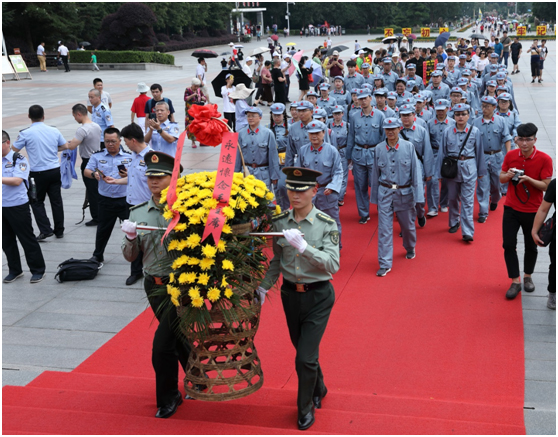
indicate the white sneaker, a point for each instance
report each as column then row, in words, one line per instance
column 444, row 209
column 432, row 213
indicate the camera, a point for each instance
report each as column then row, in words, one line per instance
column 518, row 173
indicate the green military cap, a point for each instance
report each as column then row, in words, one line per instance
column 159, row 164
column 300, row 179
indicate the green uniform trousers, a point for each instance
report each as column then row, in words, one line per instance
column 307, row 314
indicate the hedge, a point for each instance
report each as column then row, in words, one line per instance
column 120, row 57
column 190, row 43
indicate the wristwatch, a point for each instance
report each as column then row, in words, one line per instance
column 159, row 131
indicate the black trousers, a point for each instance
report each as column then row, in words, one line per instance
column 137, row 264
column 17, row 223
column 65, row 61
column 110, row 209
column 168, row 349
column 512, row 221
column 535, row 69
column 231, row 119
column 48, row 182
column 307, row 315
column 92, row 189
column 552, row 268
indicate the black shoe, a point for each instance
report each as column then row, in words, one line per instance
column 422, row 221
column 539, row 81
column 454, row 229
column 411, row 254
column 100, row 261
column 533, row 81
column 60, row 236
column 517, row 72
column 482, row 219
column 493, row 206
column 42, row 237
column 37, row 278
column 132, row 279
column 467, row 238
column 318, row 400
column 92, row 223
column 307, row 421
column 513, row 291
column 169, row 410
column 12, row 277
column 364, row 220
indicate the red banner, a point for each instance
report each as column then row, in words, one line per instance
column 223, row 185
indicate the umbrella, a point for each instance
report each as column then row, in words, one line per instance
column 388, row 39
column 338, row 48
column 238, row 46
column 289, row 44
column 317, row 73
column 515, row 21
column 477, row 35
column 400, row 35
column 259, row 50
column 412, row 36
column 295, row 61
column 365, row 50
column 442, row 39
column 224, row 54
column 220, row 81
column 84, row 43
column 204, row 53
column 275, row 37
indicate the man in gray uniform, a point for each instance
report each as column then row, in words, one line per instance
column 340, row 128
column 325, row 101
column 439, row 90
column 396, row 188
column 365, row 132
column 389, row 76
column 411, row 75
column 298, row 133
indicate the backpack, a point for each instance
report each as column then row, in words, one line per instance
column 77, row 270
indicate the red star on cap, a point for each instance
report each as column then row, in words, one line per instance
column 389, row 121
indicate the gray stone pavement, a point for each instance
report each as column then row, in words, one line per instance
column 52, row 326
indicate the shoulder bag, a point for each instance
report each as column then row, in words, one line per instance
column 449, row 164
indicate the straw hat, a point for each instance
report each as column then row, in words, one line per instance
column 241, row 92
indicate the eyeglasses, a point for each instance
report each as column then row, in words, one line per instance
column 524, row 139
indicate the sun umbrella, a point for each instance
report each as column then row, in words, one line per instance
column 365, row 50
column 289, row 44
column 84, row 43
column 477, row 35
column 260, row 50
column 389, row 39
column 412, row 36
column 515, row 21
column 204, row 53
column 224, row 54
column 338, row 48
column 317, row 73
column 442, row 39
column 220, row 81
column 238, row 46
column 295, row 62
column 275, row 37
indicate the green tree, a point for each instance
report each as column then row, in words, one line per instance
column 545, row 11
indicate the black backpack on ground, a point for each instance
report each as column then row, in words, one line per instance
column 77, row 270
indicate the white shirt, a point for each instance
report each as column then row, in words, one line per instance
column 283, row 65
column 247, row 70
column 357, row 46
column 200, row 73
column 63, row 50
column 40, row 50
column 228, row 105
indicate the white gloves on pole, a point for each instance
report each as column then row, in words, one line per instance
column 261, row 292
column 295, row 239
column 129, row 228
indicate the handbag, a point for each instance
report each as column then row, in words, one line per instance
column 255, row 78
column 449, row 165
column 77, row 270
column 546, row 231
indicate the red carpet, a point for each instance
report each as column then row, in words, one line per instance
column 432, row 348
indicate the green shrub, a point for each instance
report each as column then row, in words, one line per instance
column 121, row 57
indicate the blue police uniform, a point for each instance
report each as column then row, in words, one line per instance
column 16, row 219
column 107, row 163
column 282, row 140
column 365, row 133
column 260, row 154
column 42, row 142
column 137, row 190
column 341, row 135
column 159, row 144
column 494, row 134
column 470, row 166
column 103, row 117
column 396, row 188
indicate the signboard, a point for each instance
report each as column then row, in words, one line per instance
column 521, row 30
column 388, row 32
column 406, row 31
column 6, row 66
column 425, row 32
column 19, row 64
column 541, row 30
column 444, row 29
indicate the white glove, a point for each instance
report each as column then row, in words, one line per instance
column 129, row 228
column 295, row 239
column 261, row 292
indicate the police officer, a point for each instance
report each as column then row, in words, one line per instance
column 341, row 130
column 112, row 197
column 411, row 75
column 380, row 96
column 324, row 157
column 168, row 349
column 16, row 217
column 280, row 129
column 259, row 150
column 43, row 144
column 437, row 196
column 365, row 132
column 419, row 137
column 470, row 166
column 396, row 188
column 162, row 133
column 307, row 256
column 495, row 138
column 389, row 76
column 439, row 90
column 100, row 113
column 298, row 133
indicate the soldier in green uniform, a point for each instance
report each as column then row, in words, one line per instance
column 168, row 349
column 307, row 255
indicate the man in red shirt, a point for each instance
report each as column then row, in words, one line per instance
column 525, row 195
column 335, row 65
column 138, row 107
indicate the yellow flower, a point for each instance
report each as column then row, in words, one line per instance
column 259, row 183
column 193, row 241
column 232, row 204
column 241, row 204
column 175, row 301
column 187, row 278
column 163, row 196
column 194, row 292
column 213, row 294
column 203, row 278
column 173, row 245
column 180, row 183
column 253, row 202
column 206, row 263
column 197, row 302
column 269, row 196
column 195, row 220
column 221, row 246
column 228, row 293
column 182, row 244
column 173, row 291
column 171, row 277
column 180, row 227
column 209, row 251
column 193, row 261
column 228, row 265
column 210, row 203
column 224, row 282
column 277, row 210
column 168, row 214
column 179, row 262
column 229, row 212
column 227, row 229
column 259, row 192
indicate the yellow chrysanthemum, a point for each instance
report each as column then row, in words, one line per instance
column 259, row 192
column 193, row 261
column 193, row 241
column 269, row 196
column 221, row 246
column 241, row 204
column 168, row 214
column 182, row 244
column 224, row 282
column 210, row 203
column 180, row 227
column 260, row 184
column 163, row 198
column 194, row 292
column 277, row 210
column 232, row 203
column 227, row 229
column 203, row 278
column 253, row 202
column 187, row 278
column 179, row 262
column 228, row 265
column 173, row 245
column 180, row 182
column 228, row 293
column 228, row 212
column 209, row 251
column 206, row 263
column 194, row 220
column 197, row 302
column 213, row 294
column 171, row 278
column 175, row 302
